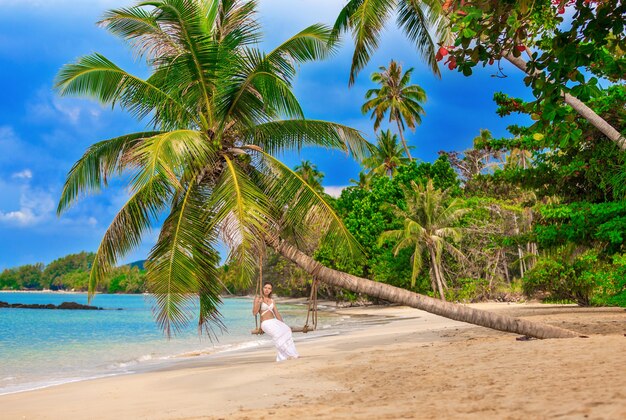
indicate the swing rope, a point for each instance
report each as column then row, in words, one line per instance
column 312, row 308
column 259, row 294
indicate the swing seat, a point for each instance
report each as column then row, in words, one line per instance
column 305, row 329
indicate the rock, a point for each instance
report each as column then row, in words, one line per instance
column 74, row 305
column 64, row 305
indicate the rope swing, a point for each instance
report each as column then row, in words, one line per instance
column 311, row 315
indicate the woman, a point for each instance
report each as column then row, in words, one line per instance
column 273, row 325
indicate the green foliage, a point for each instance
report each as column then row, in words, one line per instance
column 467, row 290
column 127, row 279
column 585, row 278
column 571, row 159
column 395, row 96
column 55, row 273
column 584, row 224
column 387, row 155
column 25, row 277
column 561, row 54
column 71, row 272
column 366, row 214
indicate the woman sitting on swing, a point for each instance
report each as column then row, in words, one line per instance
column 273, row 325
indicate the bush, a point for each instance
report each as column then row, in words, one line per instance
column 585, row 279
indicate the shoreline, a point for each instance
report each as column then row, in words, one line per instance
column 228, row 343
column 406, row 363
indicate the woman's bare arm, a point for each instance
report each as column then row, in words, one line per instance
column 256, row 306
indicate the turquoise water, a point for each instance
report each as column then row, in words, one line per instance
column 44, row 347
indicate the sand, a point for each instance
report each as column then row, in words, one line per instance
column 406, row 364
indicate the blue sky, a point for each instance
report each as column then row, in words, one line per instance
column 42, row 135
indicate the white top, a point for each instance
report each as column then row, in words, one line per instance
column 267, row 308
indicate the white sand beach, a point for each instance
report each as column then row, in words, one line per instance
column 412, row 365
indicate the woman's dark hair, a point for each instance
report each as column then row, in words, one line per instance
column 266, row 283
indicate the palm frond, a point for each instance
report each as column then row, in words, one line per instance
column 390, row 235
column 310, row 44
column 140, row 28
column 170, row 154
column 342, row 23
column 417, row 18
column 95, row 76
column 366, row 22
column 92, row 171
column 242, row 214
column 417, row 262
column 257, row 94
column 280, row 136
column 183, row 263
column 303, row 209
column 128, row 226
column 236, row 23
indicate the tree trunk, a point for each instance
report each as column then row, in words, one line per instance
column 578, row 106
column 406, row 148
column 402, row 296
column 505, row 266
column 435, row 267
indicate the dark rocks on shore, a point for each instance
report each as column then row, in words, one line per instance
column 64, row 305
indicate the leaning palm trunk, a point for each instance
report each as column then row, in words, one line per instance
column 578, row 106
column 402, row 296
column 406, row 148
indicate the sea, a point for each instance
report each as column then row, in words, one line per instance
column 43, row 347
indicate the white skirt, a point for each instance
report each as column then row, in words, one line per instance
column 281, row 334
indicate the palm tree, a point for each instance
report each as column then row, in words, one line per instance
column 387, row 155
column 519, row 158
column 429, row 224
column 397, row 97
column 418, row 19
column 216, row 106
column 309, row 173
column 219, row 109
column 364, row 182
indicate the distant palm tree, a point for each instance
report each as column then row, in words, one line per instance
column 397, row 97
column 429, row 224
column 387, row 155
column 519, row 158
column 364, row 181
column 309, row 173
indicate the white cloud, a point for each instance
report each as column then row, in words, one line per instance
column 335, row 191
column 49, row 107
column 34, row 208
column 25, row 174
column 10, row 144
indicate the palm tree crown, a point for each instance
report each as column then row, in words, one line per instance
column 219, row 109
column 430, row 222
column 397, row 97
column 387, row 156
column 310, row 174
